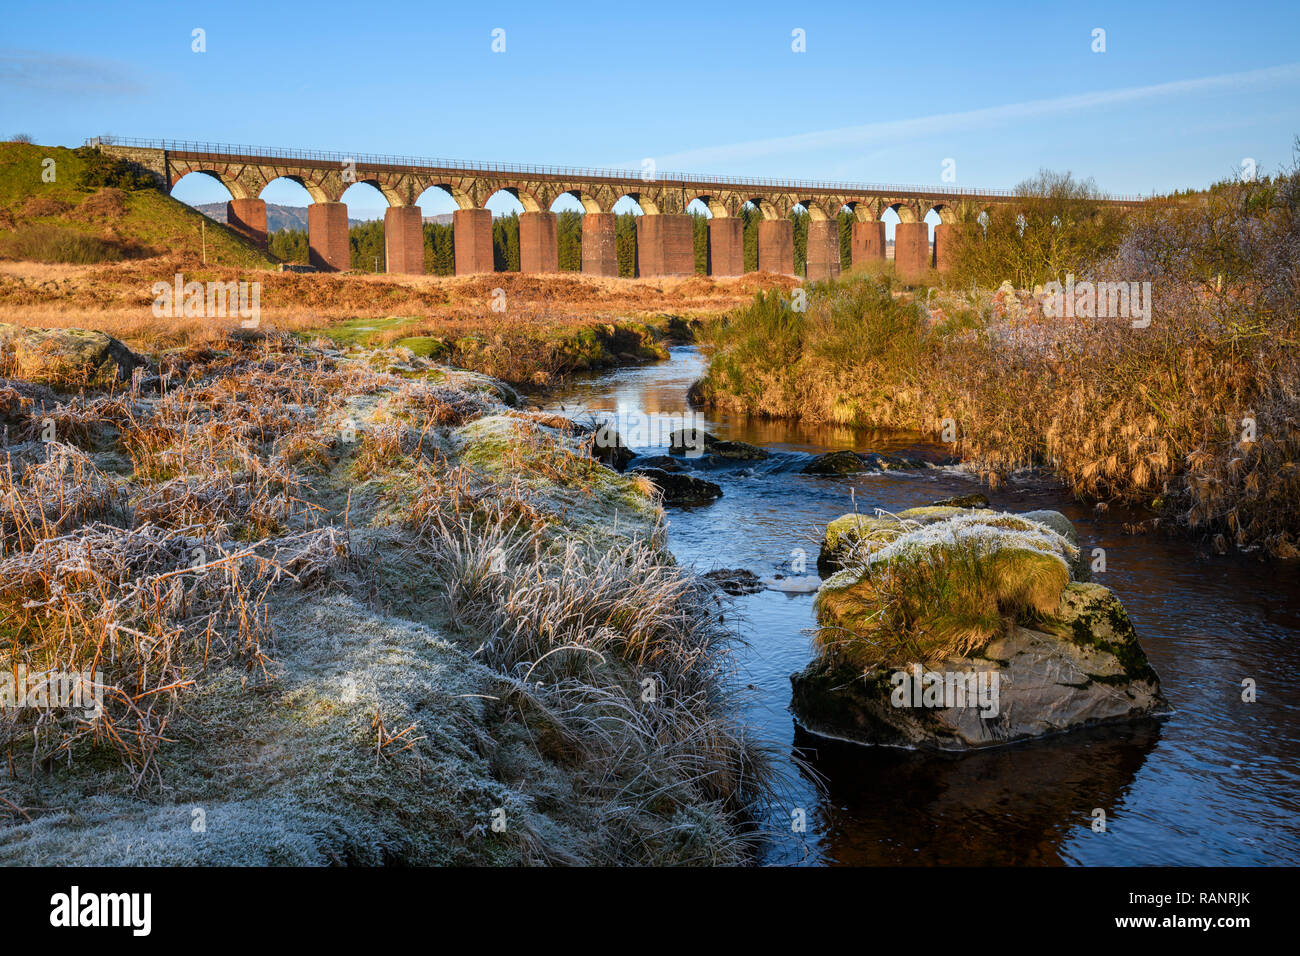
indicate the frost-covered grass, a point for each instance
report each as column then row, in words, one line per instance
column 621, row 663
column 984, row 533
column 339, row 623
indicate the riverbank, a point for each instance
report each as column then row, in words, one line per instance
column 1195, row 422
column 350, row 611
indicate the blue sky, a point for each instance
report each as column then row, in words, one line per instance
column 1183, row 93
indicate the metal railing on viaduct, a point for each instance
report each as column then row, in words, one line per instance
column 665, row 238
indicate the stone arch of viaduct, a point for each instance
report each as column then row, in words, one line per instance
column 665, row 237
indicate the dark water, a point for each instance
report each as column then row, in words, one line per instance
column 1215, row 783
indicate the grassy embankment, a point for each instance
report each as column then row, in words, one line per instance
column 1196, row 416
column 347, row 616
column 94, row 210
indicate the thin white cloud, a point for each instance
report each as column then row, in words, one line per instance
column 895, row 131
column 34, row 70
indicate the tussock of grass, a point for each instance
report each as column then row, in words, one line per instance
column 932, row 590
column 44, row 243
column 620, row 658
column 556, row 464
column 43, row 500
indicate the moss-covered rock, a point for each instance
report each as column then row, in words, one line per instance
column 1057, row 522
column 943, row 577
column 973, row 500
column 65, row 358
column 849, row 530
column 1079, row 567
column 967, row 593
column 1085, row 668
column 845, row 531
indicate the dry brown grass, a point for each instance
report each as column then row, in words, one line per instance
column 927, row 596
column 117, row 299
column 143, row 577
column 1150, row 416
column 106, row 203
column 553, row 324
column 138, row 608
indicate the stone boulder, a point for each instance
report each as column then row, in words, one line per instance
column 735, row 581
column 679, row 488
column 607, row 446
column 65, row 358
column 834, row 463
column 952, row 629
column 849, row 462
column 974, row 500
column 878, row 461
column 694, row 442
column 662, row 462
column 1084, row 667
column 852, row 462
column 1080, row 569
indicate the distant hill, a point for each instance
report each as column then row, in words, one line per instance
column 280, row 218
column 65, row 205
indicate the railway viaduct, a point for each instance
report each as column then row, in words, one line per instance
column 665, row 239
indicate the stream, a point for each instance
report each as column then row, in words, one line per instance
column 1216, row 782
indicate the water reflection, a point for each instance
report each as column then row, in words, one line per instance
column 1013, row 805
